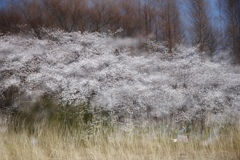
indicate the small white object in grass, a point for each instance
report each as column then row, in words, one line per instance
column 174, row 140
column 182, row 138
column 33, row 141
column 3, row 129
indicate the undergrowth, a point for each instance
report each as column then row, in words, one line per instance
column 48, row 130
column 48, row 114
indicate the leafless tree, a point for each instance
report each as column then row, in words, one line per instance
column 9, row 20
column 168, row 23
column 201, row 30
column 32, row 13
column 104, row 15
column 232, row 11
column 221, row 23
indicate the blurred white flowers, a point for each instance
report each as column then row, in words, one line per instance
column 74, row 64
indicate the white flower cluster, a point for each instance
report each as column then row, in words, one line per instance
column 140, row 84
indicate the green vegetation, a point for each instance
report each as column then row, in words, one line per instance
column 47, row 113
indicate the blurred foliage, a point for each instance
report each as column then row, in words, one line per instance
column 48, row 113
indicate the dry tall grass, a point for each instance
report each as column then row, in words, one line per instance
column 114, row 144
column 48, row 131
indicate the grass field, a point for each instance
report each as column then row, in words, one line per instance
column 49, row 132
column 113, row 143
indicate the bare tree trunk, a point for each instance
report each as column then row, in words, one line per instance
column 201, row 29
column 232, row 10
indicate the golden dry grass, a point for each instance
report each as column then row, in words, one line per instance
column 114, row 144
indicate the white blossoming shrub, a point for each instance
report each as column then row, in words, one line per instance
column 77, row 67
